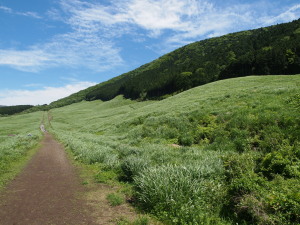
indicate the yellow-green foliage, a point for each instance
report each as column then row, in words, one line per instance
column 225, row 152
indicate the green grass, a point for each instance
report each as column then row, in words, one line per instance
column 19, row 136
column 139, row 221
column 223, row 153
column 115, row 199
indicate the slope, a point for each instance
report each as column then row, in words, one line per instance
column 223, row 153
column 270, row 50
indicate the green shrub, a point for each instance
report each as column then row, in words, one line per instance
column 242, row 203
column 186, row 139
column 283, row 200
column 285, row 162
column 205, row 130
column 251, row 199
column 251, row 210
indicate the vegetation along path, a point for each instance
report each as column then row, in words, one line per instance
column 48, row 191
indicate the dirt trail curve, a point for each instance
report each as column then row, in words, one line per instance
column 48, row 191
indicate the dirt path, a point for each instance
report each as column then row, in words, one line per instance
column 48, row 191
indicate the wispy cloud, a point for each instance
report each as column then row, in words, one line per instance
column 83, row 47
column 33, row 85
column 6, row 9
column 27, row 60
column 45, row 95
column 95, row 29
column 28, row 14
column 184, row 21
column 290, row 14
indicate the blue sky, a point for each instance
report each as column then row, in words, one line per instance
column 52, row 48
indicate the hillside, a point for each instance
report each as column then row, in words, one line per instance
column 271, row 50
column 222, row 153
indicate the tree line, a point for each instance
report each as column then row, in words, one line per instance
column 10, row 110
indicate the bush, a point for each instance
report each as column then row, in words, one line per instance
column 251, row 210
column 283, row 200
column 186, row 139
column 243, row 183
column 252, row 199
column 205, row 131
column 285, row 162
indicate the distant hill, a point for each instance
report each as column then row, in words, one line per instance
column 271, row 50
column 10, row 110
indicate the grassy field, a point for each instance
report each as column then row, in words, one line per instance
column 224, row 153
column 18, row 136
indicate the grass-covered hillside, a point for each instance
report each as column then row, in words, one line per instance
column 270, row 50
column 18, row 135
column 223, row 153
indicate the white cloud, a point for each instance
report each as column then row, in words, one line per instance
column 27, row 14
column 151, row 15
column 169, row 14
column 6, row 9
column 73, row 50
column 95, row 29
column 187, row 20
column 27, row 60
column 82, row 47
column 45, row 95
column 30, row 14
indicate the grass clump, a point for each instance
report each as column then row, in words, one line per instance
column 179, row 194
column 142, row 220
column 115, row 199
column 106, row 176
column 132, row 166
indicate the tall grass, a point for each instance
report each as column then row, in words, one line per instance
column 210, row 155
column 181, row 194
column 18, row 134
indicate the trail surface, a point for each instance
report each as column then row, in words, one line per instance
column 48, row 191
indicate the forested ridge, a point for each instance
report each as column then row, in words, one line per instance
column 10, row 110
column 270, row 50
